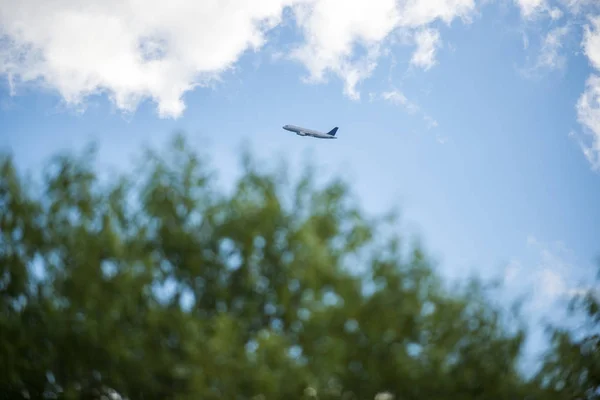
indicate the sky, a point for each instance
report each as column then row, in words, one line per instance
column 478, row 120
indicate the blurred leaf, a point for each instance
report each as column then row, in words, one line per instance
column 157, row 284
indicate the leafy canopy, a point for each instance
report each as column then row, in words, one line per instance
column 161, row 286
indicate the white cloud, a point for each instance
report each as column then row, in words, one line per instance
column 134, row 50
column 441, row 139
column 591, row 42
column 552, row 276
column 543, row 280
column 532, row 9
column 511, row 271
column 333, row 27
column 529, row 8
column 416, row 13
column 396, row 97
column 588, row 114
column 549, row 56
column 431, row 123
column 525, row 41
column 428, row 40
column 579, row 6
column 588, row 105
column 555, row 13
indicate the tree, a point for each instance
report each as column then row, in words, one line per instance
column 572, row 365
column 159, row 285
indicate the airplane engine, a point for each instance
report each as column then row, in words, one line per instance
column 301, row 134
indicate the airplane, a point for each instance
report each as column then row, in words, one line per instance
column 309, row 132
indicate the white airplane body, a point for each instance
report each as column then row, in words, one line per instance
column 309, row 132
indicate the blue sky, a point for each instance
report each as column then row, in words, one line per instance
column 480, row 121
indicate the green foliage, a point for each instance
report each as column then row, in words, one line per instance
column 572, row 367
column 265, row 296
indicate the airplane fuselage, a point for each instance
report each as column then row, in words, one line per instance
column 310, row 132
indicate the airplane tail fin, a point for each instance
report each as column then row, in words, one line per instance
column 333, row 131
